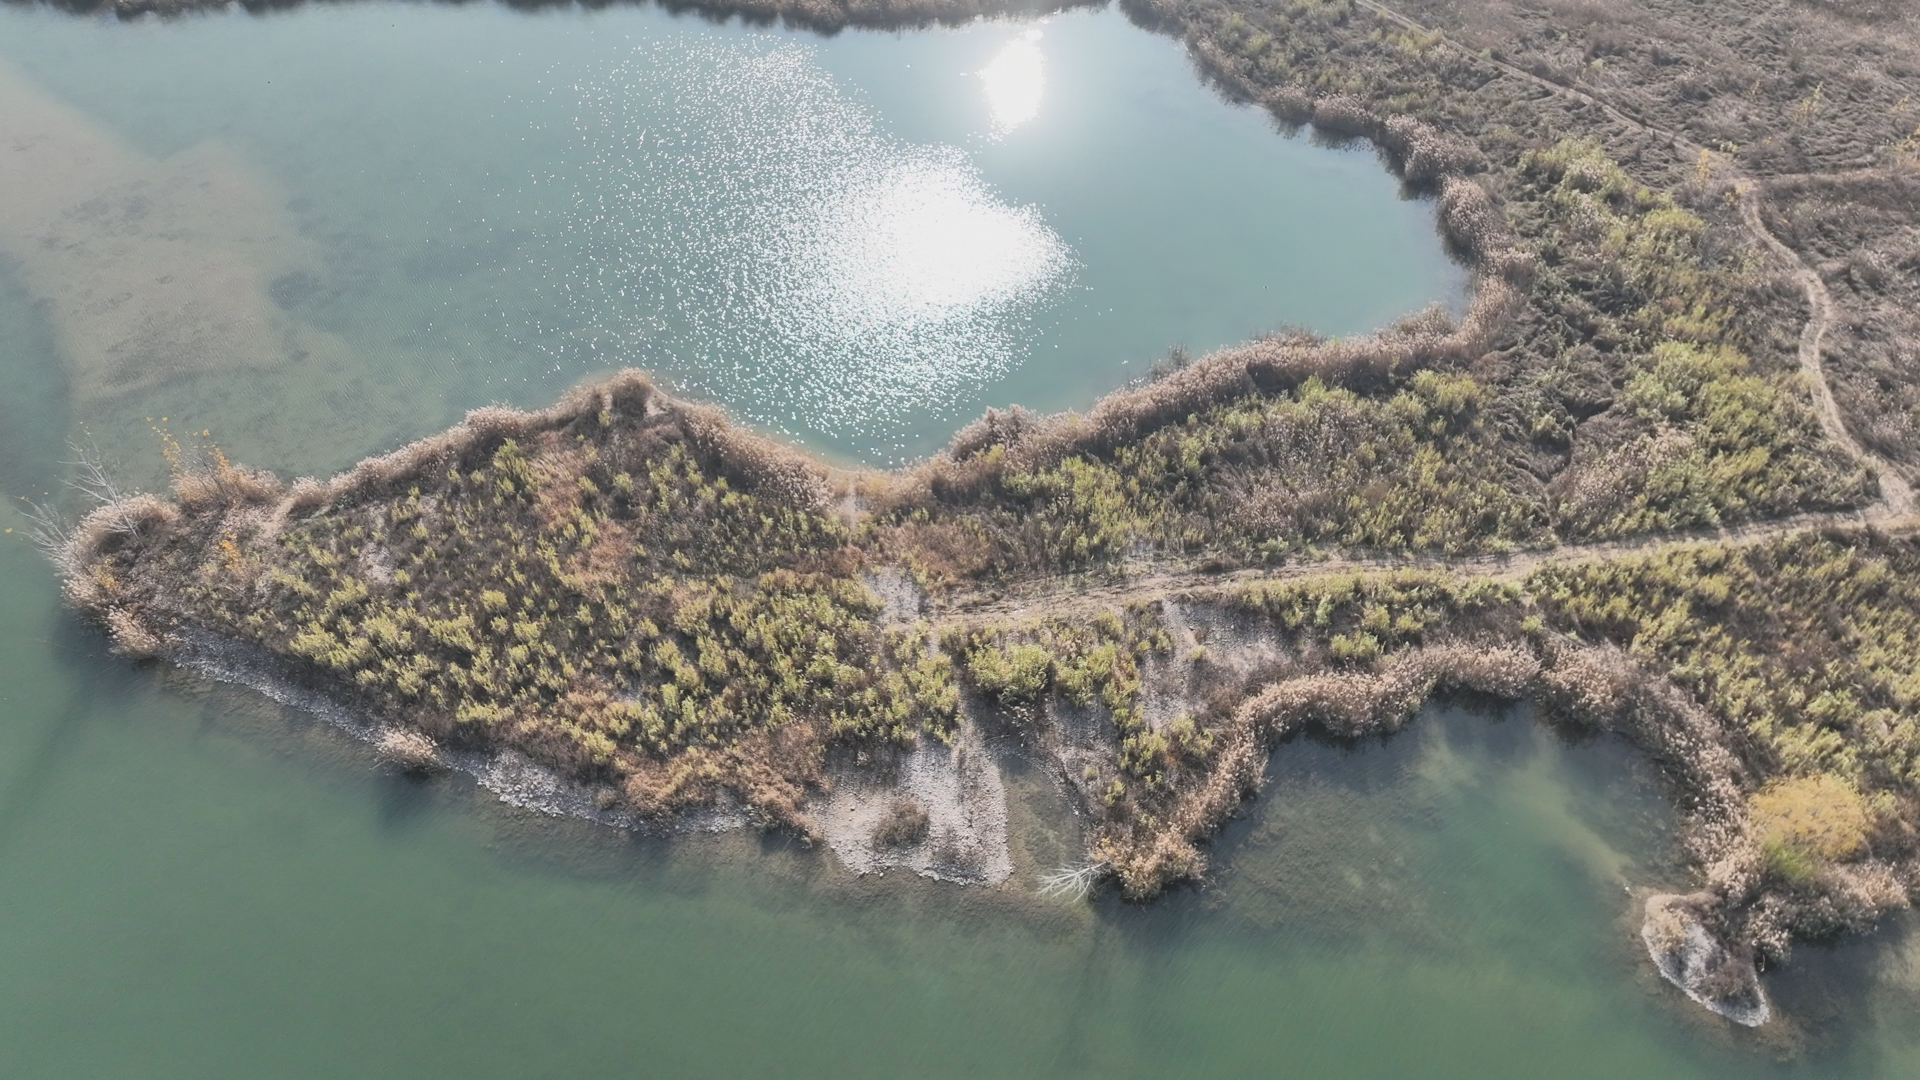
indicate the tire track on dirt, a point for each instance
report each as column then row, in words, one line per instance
column 1896, row 495
column 1052, row 599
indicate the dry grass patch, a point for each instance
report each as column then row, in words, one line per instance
column 1806, row 821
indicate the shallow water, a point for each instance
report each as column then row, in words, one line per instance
column 197, row 883
column 859, row 241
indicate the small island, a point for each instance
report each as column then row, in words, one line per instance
column 1654, row 481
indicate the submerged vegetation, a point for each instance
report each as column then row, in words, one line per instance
column 1293, row 537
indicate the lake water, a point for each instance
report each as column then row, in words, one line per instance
column 858, row 241
column 382, row 215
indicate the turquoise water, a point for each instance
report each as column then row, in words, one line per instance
column 858, row 241
column 197, row 883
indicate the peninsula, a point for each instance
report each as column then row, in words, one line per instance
column 1655, row 481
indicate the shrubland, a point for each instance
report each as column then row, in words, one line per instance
column 634, row 593
column 1619, row 373
column 1861, row 233
column 618, row 588
column 1807, row 644
column 1773, row 683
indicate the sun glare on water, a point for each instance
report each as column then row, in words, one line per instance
column 751, row 226
column 1015, row 80
column 927, row 241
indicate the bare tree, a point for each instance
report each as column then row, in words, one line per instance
column 50, row 530
column 91, row 476
column 1074, row 882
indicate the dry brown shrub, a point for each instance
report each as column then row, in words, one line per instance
column 196, row 491
column 661, row 788
column 226, row 485
column 1291, row 104
column 994, row 427
column 1504, row 670
column 1587, row 685
column 1146, row 869
column 1169, row 854
column 605, row 560
column 1606, row 475
column 629, row 392
column 494, row 423
column 131, row 638
column 1344, row 705
column 1470, row 221
column 1426, row 156
column 412, row 751
column 1843, row 898
column 557, row 467
column 770, row 771
column 243, row 486
column 1353, row 705
column 307, row 494
column 407, row 463
column 1665, row 926
column 942, row 551
column 119, row 520
column 772, row 471
column 903, row 825
column 1344, row 114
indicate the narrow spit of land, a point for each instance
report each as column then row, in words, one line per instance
column 1626, row 486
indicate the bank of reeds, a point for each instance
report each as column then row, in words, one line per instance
column 1789, row 749
column 627, row 588
column 1264, row 366
column 654, row 602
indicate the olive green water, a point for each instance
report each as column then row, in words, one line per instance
column 485, row 205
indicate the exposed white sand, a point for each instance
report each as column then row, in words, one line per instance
column 960, row 788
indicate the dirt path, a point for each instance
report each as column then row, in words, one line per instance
column 1892, row 513
column 1051, row 598
column 1896, row 495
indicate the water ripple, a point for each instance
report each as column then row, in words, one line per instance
column 746, row 223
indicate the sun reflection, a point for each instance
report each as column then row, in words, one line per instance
column 771, row 245
column 1014, row 81
column 926, row 241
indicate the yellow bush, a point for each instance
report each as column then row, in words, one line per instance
column 1807, row 820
